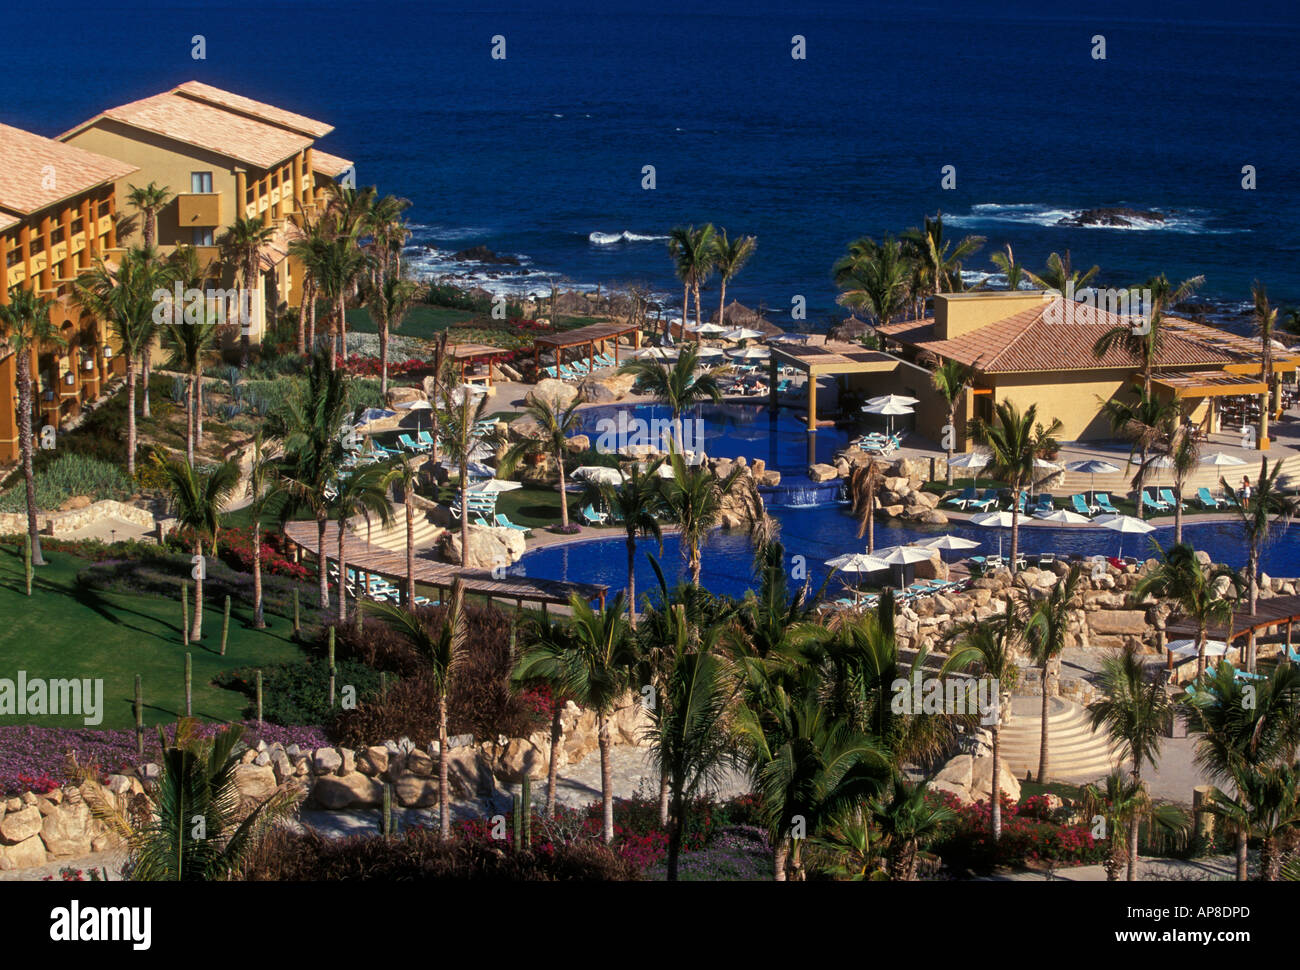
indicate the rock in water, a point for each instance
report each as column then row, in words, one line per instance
column 1120, row 217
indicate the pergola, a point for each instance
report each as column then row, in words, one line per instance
column 465, row 354
column 589, row 337
column 830, row 359
column 1209, row 384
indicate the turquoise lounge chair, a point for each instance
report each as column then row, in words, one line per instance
column 982, row 504
column 1155, row 505
column 592, row 517
column 1167, row 496
column 504, row 522
column 1081, row 506
column 967, row 494
column 1103, row 502
column 1045, row 505
column 1207, row 500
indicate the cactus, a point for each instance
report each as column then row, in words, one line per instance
column 528, row 812
column 259, row 700
column 185, row 612
column 225, row 626
column 139, row 717
column 189, row 685
column 518, row 822
column 332, row 672
column 383, row 685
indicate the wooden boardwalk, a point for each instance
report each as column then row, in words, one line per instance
column 365, row 557
column 1274, row 611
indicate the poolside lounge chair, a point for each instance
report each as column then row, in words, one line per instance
column 592, row 517
column 1102, row 500
column 1046, row 559
column 1207, row 500
column 1081, row 505
column 503, row 521
column 1167, row 495
column 1155, row 505
column 983, row 504
column 1020, row 504
column 410, row 444
column 549, row 371
column 783, row 386
column 961, row 499
column 1045, row 505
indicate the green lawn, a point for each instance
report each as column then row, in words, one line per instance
column 535, row 507
column 64, row 630
column 423, row 321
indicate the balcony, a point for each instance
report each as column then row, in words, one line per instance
column 198, row 210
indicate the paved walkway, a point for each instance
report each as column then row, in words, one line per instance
column 1222, row 868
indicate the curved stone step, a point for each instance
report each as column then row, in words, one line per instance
column 1076, row 753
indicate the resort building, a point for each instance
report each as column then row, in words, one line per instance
column 223, row 157
column 58, row 213
column 1032, row 348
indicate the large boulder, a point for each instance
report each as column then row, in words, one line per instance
column 68, row 831
column 981, row 786
column 607, row 388
column 255, row 781
column 487, row 547
column 1118, row 622
column 958, row 771
column 25, row 854
column 822, row 473
column 556, row 393
column 412, row 791
column 18, row 826
column 348, row 791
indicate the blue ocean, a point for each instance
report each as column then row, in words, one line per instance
column 542, row 154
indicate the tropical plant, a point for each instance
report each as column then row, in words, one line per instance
column 264, row 489
column 951, row 379
column 677, row 385
column 556, row 422
column 729, row 258
column 1013, row 443
column 873, row 277
column 190, row 343
column 1012, row 270
column 1146, row 341
column 939, row 259
column 637, row 503
column 1061, row 276
column 198, row 498
column 363, row 492
column 148, row 200
column 696, row 497
column 693, row 252
column 1134, row 709
column 1266, row 331
column 1124, row 804
column 26, row 327
column 906, row 820
column 593, row 663
column 444, row 651
column 864, row 481
column 1180, row 576
column 241, row 243
column 1046, row 632
column 389, row 299
column 1142, row 423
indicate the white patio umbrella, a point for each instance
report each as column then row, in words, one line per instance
column 999, row 519
column 743, row 333
column 474, row 468
column 708, row 352
column 1221, row 459
column 973, row 460
column 708, row 330
column 1124, row 524
column 415, row 407
column 750, row 353
column 949, row 543
column 891, row 399
column 1062, row 517
column 857, row 562
column 665, row 470
column 1092, row 467
column 656, row 353
column 494, row 486
column 889, row 409
column 902, row 557
column 599, row 475
column 1043, row 467
column 1187, row 648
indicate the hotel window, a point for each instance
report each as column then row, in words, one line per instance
column 201, row 182
column 202, row 237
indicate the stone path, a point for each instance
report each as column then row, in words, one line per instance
column 1222, row 868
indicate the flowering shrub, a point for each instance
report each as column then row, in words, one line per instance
column 236, row 551
column 1030, row 833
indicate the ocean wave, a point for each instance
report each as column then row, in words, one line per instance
column 1050, row 216
column 609, row 238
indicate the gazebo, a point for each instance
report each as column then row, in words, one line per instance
column 464, row 354
column 588, row 337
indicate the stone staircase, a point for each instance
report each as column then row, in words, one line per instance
column 1076, row 753
column 393, row 536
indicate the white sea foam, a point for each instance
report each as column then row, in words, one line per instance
column 609, row 238
column 1036, row 214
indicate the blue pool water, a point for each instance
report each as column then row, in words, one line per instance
column 821, row 533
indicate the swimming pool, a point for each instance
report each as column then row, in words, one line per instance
column 823, row 532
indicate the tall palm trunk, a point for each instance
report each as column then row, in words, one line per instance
column 196, row 628
column 686, row 313
column 996, row 794
column 693, row 563
column 1015, row 528
column 1042, row 742
column 664, row 798
column 383, row 357
column 146, row 362
column 464, row 511
column 675, row 835
column 28, row 447
column 564, row 496
column 343, row 576
column 1243, row 870
column 1201, row 630
column 130, row 415
column 1133, row 832
column 300, row 332
column 951, row 433
column 631, row 579
column 1178, row 511
column 780, row 858
column 553, row 769
column 190, row 406
column 606, row 779
column 250, row 283
column 699, row 310
column 259, row 622
column 311, row 314
column 1141, row 484
column 444, row 801
column 198, row 413
column 1252, row 587
column 410, row 548
column 343, row 329
column 722, row 302
column 322, row 520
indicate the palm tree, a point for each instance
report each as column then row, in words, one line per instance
column 125, row 298
column 388, row 234
column 389, row 299
column 692, row 251
column 1134, row 710
column 1045, row 634
column 148, row 201
column 242, row 243
column 951, row 379
column 1012, row 270
column 989, row 648
column 730, row 258
column 445, row 652
column 1267, row 805
column 1268, row 506
column 406, row 473
column 314, row 451
column 808, row 767
column 677, row 386
column 264, row 489
column 1147, row 342
column 1243, row 729
column 864, row 481
column 556, row 423
column 197, row 502
column 696, row 496
column 1265, row 329
column 1179, row 576
column 1061, row 276
column 1141, row 423
column 873, row 277
column 190, row 343
column 905, row 820
column 638, row 502
column 308, row 250
column 687, row 736
column 1180, row 447
column 458, row 416
column 593, row 663
column 364, row 492
column 940, row 259
column 1125, row 805
column 559, row 641
column 26, row 327
column 197, row 781
column 1013, row 443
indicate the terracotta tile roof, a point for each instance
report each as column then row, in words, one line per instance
column 7, row 220
column 30, row 159
column 207, row 126
column 257, row 109
column 324, row 163
column 1049, row 338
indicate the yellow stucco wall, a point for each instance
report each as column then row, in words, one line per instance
column 1071, row 398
